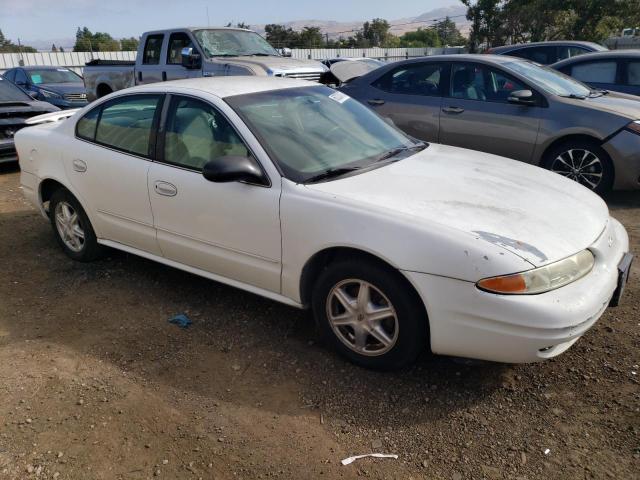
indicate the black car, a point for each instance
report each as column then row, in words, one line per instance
column 546, row 53
column 617, row 70
column 57, row 85
column 15, row 108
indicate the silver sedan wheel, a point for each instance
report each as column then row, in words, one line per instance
column 68, row 226
column 580, row 165
column 362, row 317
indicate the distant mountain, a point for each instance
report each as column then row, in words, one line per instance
column 457, row 13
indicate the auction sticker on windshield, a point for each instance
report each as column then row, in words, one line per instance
column 339, row 97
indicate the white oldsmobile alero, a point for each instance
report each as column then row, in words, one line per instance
column 296, row 192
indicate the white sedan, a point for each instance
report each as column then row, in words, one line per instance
column 296, row 192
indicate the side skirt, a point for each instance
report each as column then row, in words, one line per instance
column 202, row 273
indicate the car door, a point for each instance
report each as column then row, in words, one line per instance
column 228, row 229
column 602, row 74
column 477, row 115
column 149, row 68
column 173, row 68
column 108, row 167
column 410, row 96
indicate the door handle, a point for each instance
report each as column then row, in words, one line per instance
column 79, row 165
column 375, row 101
column 139, row 76
column 165, row 188
column 164, row 76
column 454, row 110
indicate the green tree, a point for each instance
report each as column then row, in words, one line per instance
column 129, row 44
column 448, row 33
column 376, row 32
column 239, row 25
column 94, row 42
column 311, row 37
column 280, row 36
column 423, row 37
column 7, row 46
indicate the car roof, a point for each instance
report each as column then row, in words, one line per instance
column 569, row 43
column 42, row 67
column 193, row 29
column 223, row 87
column 465, row 57
column 609, row 54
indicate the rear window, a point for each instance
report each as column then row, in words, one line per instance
column 152, row 50
column 595, row 72
column 125, row 123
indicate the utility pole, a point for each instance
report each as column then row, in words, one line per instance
column 208, row 22
column 21, row 61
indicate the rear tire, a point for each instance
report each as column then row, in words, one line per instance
column 370, row 314
column 72, row 227
column 583, row 161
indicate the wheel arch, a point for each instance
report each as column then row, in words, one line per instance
column 323, row 258
column 103, row 89
column 49, row 185
column 568, row 138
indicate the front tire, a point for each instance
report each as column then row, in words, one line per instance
column 370, row 314
column 72, row 227
column 583, row 161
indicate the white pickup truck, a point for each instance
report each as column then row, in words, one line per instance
column 196, row 52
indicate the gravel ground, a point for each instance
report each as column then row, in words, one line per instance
column 96, row 384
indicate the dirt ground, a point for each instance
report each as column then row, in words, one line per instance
column 96, row 384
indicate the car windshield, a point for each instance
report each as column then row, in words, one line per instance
column 549, row 80
column 10, row 93
column 57, row 75
column 233, row 43
column 316, row 131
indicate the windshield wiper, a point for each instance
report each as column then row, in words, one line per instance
column 331, row 173
column 396, row 151
column 260, row 54
column 597, row 93
column 573, row 95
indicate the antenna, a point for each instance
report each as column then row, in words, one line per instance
column 208, row 22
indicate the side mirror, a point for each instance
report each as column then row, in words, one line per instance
column 233, row 168
column 190, row 60
column 522, row 97
column 33, row 94
column 285, row 52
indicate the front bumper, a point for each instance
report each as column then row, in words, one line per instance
column 467, row 322
column 624, row 150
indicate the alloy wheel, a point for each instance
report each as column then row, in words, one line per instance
column 69, row 227
column 580, row 165
column 362, row 317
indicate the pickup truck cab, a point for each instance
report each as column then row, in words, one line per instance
column 196, row 52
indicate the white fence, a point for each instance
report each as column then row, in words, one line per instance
column 77, row 60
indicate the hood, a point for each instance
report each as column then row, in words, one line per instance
column 615, row 103
column 25, row 108
column 535, row 214
column 277, row 64
column 63, row 88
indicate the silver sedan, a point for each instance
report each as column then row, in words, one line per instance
column 513, row 108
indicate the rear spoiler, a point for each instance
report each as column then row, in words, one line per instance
column 51, row 117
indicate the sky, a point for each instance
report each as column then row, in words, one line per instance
column 58, row 19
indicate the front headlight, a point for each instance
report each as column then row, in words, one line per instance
column 49, row 94
column 634, row 127
column 543, row 279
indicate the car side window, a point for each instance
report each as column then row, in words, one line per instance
column 21, row 78
column 501, row 85
column 10, row 75
column 152, row 49
column 467, row 82
column 542, row 55
column 568, row 52
column 127, row 123
column 413, row 79
column 177, row 41
column 86, row 126
column 196, row 132
column 633, row 73
column 596, row 72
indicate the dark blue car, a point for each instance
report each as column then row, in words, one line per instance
column 57, row 85
column 617, row 70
